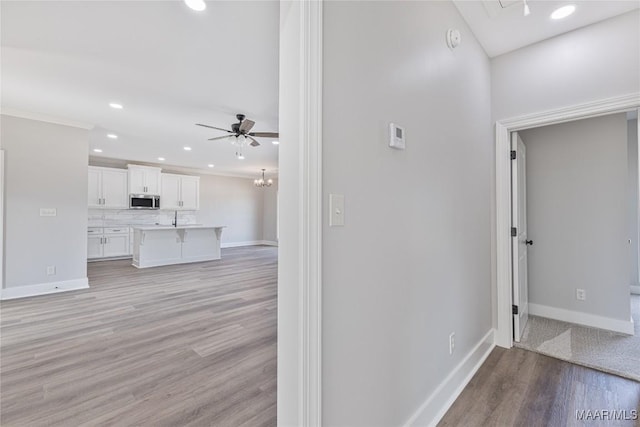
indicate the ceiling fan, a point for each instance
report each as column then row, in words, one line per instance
column 242, row 129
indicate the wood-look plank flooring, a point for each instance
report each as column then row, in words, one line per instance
column 186, row 345
column 520, row 388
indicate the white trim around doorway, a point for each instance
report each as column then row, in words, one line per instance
column 619, row 104
column 300, row 215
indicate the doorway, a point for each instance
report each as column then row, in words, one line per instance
column 579, row 204
column 503, row 297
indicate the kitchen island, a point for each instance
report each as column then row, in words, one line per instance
column 157, row 245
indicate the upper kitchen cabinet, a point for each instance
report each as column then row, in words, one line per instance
column 144, row 180
column 180, row 192
column 107, row 188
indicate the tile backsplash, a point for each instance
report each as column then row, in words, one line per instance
column 126, row 217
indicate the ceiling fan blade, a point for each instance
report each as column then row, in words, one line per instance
column 254, row 143
column 213, row 127
column 265, row 134
column 246, row 125
column 220, row 137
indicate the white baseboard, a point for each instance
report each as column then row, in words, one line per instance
column 585, row 319
column 439, row 402
column 249, row 243
column 635, row 289
column 43, row 289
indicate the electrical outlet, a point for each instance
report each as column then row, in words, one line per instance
column 51, row 270
column 452, row 342
column 581, row 294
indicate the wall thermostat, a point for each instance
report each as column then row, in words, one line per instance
column 396, row 136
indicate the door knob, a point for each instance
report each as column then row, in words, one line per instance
column 528, row 242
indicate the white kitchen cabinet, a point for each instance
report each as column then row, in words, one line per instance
column 144, row 180
column 94, row 246
column 95, row 188
column 180, row 192
column 116, row 245
column 108, row 242
column 190, row 192
column 107, row 188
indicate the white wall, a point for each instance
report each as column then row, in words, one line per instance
column 577, row 212
column 234, row 202
column 632, row 197
column 412, row 263
column 46, row 167
column 595, row 62
column 270, row 213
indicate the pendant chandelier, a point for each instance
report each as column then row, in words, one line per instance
column 261, row 182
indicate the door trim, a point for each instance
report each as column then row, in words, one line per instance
column 502, row 251
column 300, row 221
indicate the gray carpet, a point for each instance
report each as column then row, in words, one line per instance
column 594, row 348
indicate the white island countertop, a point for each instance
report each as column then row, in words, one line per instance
column 171, row 227
column 155, row 245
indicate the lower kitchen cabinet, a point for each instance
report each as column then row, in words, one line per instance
column 108, row 242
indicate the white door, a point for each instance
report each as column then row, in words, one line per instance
column 190, row 192
column 116, row 245
column 114, row 189
column 519, row 243
column 95, row 188
column 170, row 196
column 94, row 246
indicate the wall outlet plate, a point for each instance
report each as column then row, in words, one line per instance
column 581, row 294
column 452, row 342
column 51, row 270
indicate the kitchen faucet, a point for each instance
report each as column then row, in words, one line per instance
column 175, row 219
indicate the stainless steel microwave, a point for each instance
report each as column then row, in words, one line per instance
column 144, row 201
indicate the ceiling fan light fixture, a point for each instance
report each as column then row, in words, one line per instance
column 563, row 12
column 197, row 5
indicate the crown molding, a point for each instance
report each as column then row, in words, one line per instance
column 7, row 111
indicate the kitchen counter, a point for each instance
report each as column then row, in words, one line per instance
column 155, row 245
column 179, row 227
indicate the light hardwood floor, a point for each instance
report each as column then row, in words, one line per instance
column 520, row 388
column 180, row 345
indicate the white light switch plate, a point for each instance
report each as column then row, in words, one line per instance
column 336, row 210
column 48, row 212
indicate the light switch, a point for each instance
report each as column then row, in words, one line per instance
column 48, row 212
column 336, row 210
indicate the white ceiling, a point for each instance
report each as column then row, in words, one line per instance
column 500, row 25
column 170, row 67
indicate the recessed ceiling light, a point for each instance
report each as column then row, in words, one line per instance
column 162, row 159
column 115, row 105
column 198, row 5
column 563, row 12
column 97, row 150
column 112, row 136
column 210, row 165
column 187, row 148
column 275, row 142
